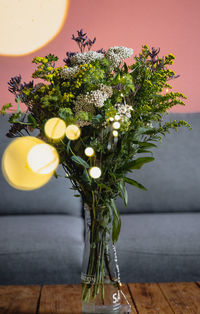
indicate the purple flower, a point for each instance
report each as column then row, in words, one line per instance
column 68, row 59
column 83, row 41
column 15, row 84
column 101, row 51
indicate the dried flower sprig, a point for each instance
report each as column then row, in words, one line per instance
column 83, row 41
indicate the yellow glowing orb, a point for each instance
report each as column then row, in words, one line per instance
column 55, row 128
column 116, row 125
column 73, row 132
column 43, row 158
column 27, row 25
column 15, row 166
column 95, row 172
column 89, row 151
column 115, row 133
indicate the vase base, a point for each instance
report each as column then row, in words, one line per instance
column 122, row 309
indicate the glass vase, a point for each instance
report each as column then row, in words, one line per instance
column 100, row 277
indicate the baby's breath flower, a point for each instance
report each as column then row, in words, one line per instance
column 124, row 111
column 68, row 73
column 107, row 90
column 95, row 98
column 117, row 54
column 101, row 95
column 86, row 57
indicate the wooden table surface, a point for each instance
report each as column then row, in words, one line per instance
column 179, row 298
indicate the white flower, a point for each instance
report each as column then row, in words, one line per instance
column 107, row 90
column 68, row 73
column 98, row 98
column 124, row 111
column 95, row 98
column 86, row 57
column 117, row 54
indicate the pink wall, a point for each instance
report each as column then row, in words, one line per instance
column 172, row 25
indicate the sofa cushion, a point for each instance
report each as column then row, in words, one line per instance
column 54, row 197
column 173, row 178
column 40, row 249
column 159, row 247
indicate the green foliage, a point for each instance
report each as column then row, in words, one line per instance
column 80, row 161
column 32, row 121
column 5, row 108
column 15, row 117
column 123, row 192
column 116, row 227
column 66, row 114
column 138, row 163
column 83, row 115
column 135, row 183
column 45, row 68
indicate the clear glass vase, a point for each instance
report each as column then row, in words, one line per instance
column 101, row 287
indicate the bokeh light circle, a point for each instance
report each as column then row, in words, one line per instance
column 89, row 151
column 43, row 158
column 95, row 172
column 15, row 166
column 116, row 125
column 73, row 132
column 55, row 128
column 29, row 25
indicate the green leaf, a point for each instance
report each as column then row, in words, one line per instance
column 4, row 108
column 97, row 119
column 104, row 186
column 132, row 87
column 32, row 120
column 125, row 68
column 123, row 192
column 135, row 183
column 68, row 146
column 80, row 161
column 138, row 163
column 86, row 177
column 18, row 107
column 15, row 117
column 140, row 131
column 116, row 227
column 144, row 151
column 146, row 144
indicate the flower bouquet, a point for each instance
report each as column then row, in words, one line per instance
column 103, row 117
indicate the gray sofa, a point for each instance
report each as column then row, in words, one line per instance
column 41, row 232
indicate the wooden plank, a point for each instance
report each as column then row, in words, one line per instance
column 127, row 296
column 19, row 299
column 148, row 298
column 184, row 297
column 60, row 299
column 67, row 299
